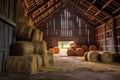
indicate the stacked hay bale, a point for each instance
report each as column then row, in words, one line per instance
column 79, row 52
column 28, row 53
column 70, row 52
column 105, row 57
column 54, row 50
column 92, row 48
column 98, row 56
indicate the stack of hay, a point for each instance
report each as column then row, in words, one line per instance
column 98, row 56
column 54, row 50
column 77, row 50
column 29, row 52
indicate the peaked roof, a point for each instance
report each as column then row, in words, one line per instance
column 95, row 12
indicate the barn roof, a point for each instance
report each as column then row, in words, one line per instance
column 95, row 12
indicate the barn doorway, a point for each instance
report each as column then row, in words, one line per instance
column 63, row 46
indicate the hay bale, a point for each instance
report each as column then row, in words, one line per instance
column 93, row 56
column 72, row 44
column 116, row 56
column 84, row 47
column 37, row 35
column 23, row 64
column 74, row 47
column 70, row 52
column 57, row 50
column 51, row 50
column 85, row 56
column 21, row 48
column 41, row 49
column 105, row 56
column 79, row 52
column 24, row 33
column 51, row 58
column 92, row 48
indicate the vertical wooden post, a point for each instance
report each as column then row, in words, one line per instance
column 114, row 34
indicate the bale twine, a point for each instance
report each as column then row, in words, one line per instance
column 24, row 33
column 51, row 58
column 41, row 49
column 57, row 50
column 84, row 47
column 105, row 56
column 79, row 52
column 23, row 64
column 70, row 52
column 21, row 48
column 37, row 35
column 92, row 48
column 51, row 50
column 85, row 56
column 73, row 47
column 93, row 56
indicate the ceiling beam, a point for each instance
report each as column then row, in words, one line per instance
column 99, row 19
column 48, row 8
column 30, row 12
column 101, row 10
column 91, row 5
column 116, row 10
column 45, row 18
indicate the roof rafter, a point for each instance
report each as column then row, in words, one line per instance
column 101, row 10
column 89, row 14
column 48, row 8
column 50, row 14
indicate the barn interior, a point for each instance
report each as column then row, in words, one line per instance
column 59, row 39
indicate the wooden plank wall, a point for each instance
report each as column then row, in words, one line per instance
column 64, row 26
column 118, row 34
column 8, row 19
column 104, row 36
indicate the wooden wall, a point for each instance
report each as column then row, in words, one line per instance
column 104, row 36
column 9, row 12
column 64, row 26
column 117, row 37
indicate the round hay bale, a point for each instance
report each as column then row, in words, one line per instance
column 72, row 44
column 70, row 52
column 37, row 35
column 105, row 57
column 41, row 49
column 24, row 33
column 57, row 50
column 21, row 48
column 116, row 56
column 73, row 47
column 51, row 50
column 79, row 52
column 93, row 56
column 92, row 47
column 84, row 47
column 85, row 56
column 51, row 58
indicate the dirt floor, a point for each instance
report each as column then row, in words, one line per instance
column 71, row 68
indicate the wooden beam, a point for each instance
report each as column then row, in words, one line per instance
column 47, row 9
column 116, row 10
column 49, row 15
column 8, row 21
column 101, row 9
column 91, row 5
column 89, row 13
column 109, row 1
column 30, row 12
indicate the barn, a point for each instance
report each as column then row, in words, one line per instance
column 59, row 39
